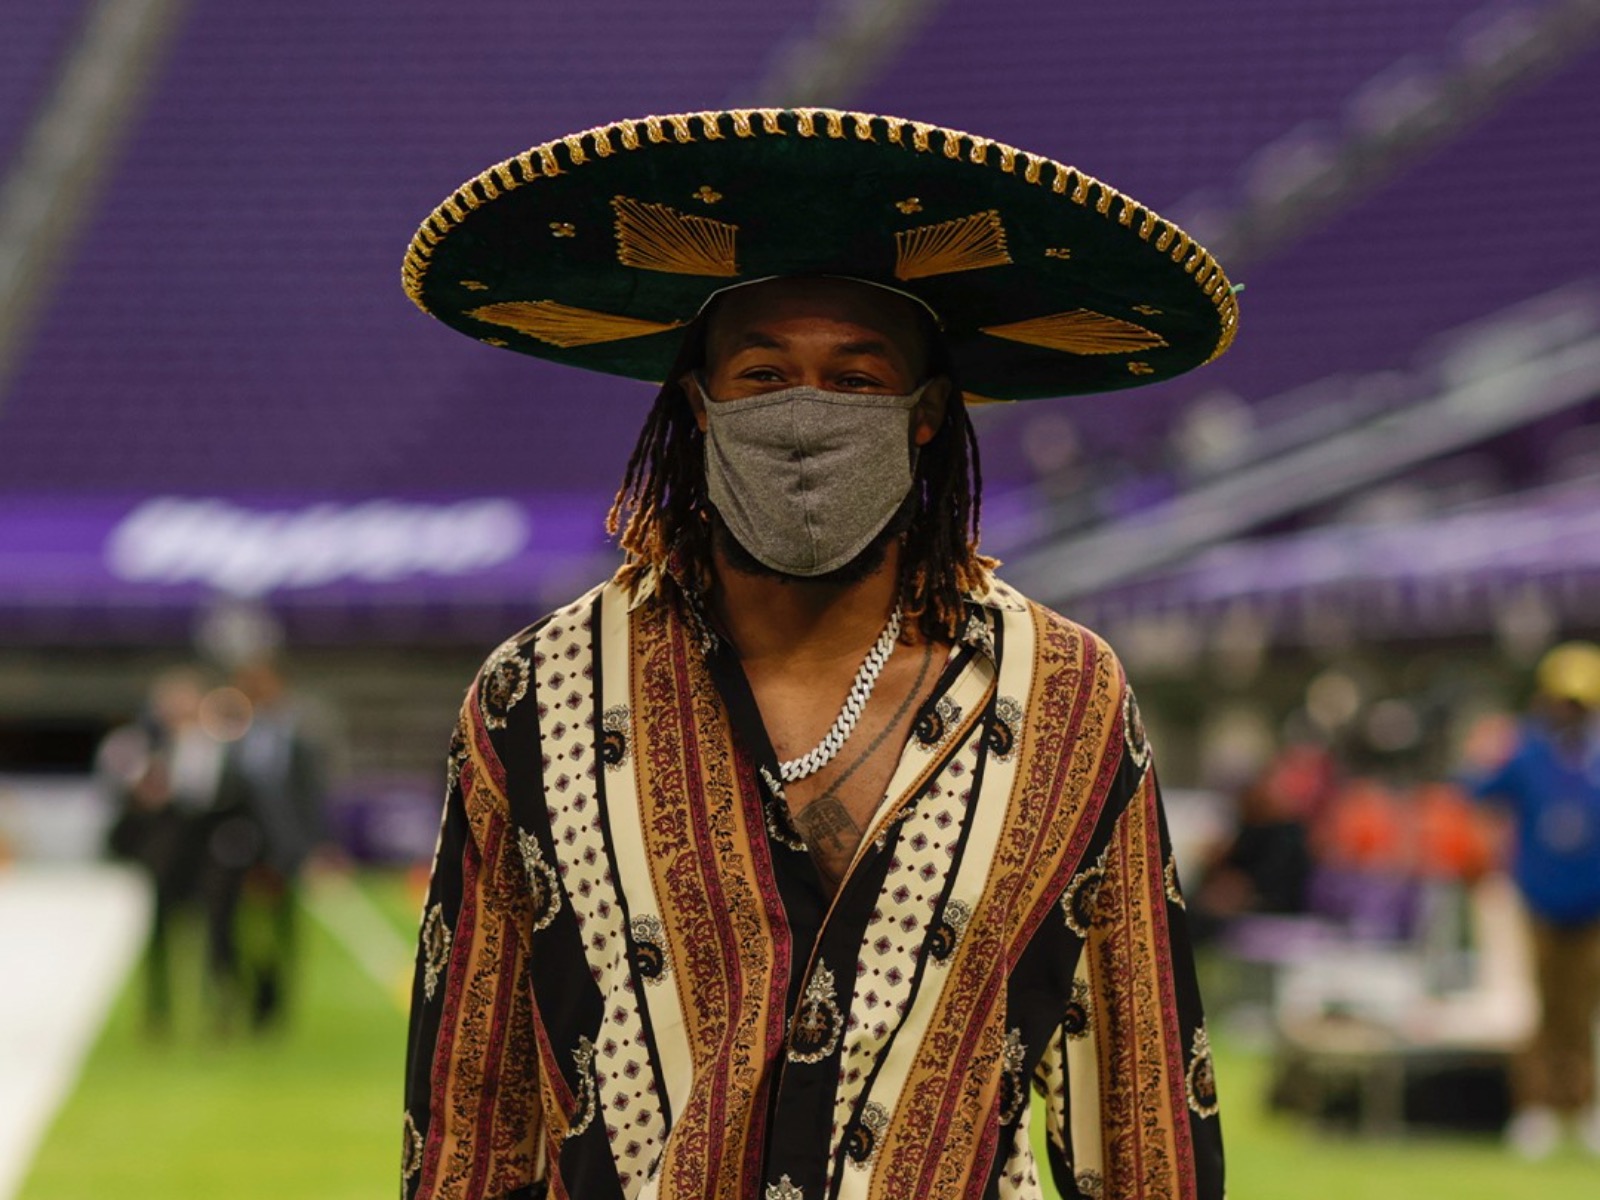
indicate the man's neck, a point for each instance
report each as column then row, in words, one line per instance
column 795, row 623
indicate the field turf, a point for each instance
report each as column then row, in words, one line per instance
column 314, row 1113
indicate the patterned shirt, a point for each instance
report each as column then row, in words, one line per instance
column 631, row 983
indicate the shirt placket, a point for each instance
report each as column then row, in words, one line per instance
column 801, row 1114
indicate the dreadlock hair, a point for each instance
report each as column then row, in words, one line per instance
column 661, row 515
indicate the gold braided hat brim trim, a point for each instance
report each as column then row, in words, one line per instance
column 1158, row 303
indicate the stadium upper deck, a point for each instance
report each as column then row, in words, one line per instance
column 229, row 322
column 229, row 319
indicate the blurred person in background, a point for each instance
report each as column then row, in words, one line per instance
column 165, row 773
column 1266, row 867
column 675, row 945
column 1548, row 779
column 271, row 826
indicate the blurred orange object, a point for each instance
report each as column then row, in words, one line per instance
column 1363, row 828
column 1452, row 835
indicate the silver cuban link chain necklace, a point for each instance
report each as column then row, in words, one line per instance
column 855, row 704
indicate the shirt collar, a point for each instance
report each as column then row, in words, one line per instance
column 984, row 609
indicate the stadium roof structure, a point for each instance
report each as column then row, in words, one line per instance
column 1460, row 572
column 227, row 320
column 37, row 36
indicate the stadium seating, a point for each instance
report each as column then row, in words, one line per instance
column 230, row 319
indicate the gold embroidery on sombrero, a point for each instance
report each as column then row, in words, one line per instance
column 575, row 150
column 565, row 325
column 1079, row 331
column 965, row 244
column 1140, row 368
column 655, row 237
column 1058, row 252
column 473, row 285
column 1149, row 310
column 911, row 204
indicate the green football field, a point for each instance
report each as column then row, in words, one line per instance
column 313, row 1114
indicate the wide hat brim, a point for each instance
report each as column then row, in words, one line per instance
column 595, row 250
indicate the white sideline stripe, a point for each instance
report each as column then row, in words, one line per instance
column 362, row 929
column 68, row 937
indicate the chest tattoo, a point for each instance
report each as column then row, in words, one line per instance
column 825, row 823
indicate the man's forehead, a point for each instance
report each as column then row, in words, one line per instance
column 750, row 315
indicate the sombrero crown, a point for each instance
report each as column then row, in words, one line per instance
column 594, row 249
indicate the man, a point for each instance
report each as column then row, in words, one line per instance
column 164, row 771
column 788, row 862
column 1550, row 782
column 275, row 826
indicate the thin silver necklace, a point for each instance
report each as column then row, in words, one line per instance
column 855, row 703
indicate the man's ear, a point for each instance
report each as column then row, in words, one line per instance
column 928, row 415
column 697, row 400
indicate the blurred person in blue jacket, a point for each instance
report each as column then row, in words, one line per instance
column 1549, row 782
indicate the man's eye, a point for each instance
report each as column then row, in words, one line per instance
column 858, row 381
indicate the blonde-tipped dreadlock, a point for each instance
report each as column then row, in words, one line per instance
column 661, row 515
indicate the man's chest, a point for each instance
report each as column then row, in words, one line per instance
column 833, row 807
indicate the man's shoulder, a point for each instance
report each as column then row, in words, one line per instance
column 558, row 622
column 507, row 675
column 1056, row 631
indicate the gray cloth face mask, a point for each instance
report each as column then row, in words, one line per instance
column 806, row 478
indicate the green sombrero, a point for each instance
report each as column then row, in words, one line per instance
column 595, row 250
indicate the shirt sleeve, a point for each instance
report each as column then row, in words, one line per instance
column 1502, row 783
column 1128, row 1081
column 473, row 1127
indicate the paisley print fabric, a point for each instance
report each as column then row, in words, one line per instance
column 630, row 986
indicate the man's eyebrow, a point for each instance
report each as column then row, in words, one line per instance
column 871, row 346
column 755, row 338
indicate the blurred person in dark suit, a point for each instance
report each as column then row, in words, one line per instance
column 165, row 772
column 271, row 826
column 1548, row 778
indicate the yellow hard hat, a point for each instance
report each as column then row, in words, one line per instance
column 1571, row 671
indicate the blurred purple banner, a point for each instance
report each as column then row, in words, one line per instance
column 93, row 566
